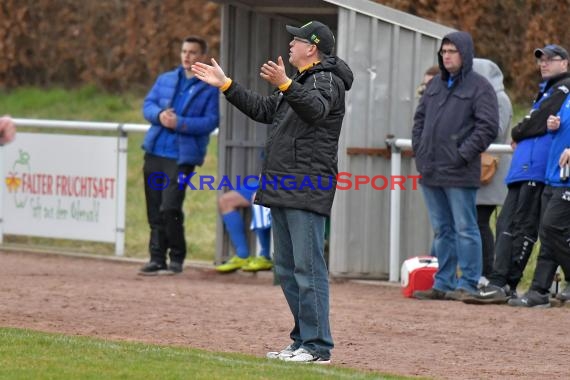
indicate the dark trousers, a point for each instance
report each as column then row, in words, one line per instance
column 487, row 240
column 164, row 200
column 516, row 232
column 554, row 238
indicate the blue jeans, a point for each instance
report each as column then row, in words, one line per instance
column 301, row 268
column 453, row 216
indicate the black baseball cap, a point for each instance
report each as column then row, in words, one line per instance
column 551, row 51
column 316, row 32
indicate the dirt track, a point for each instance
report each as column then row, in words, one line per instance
column 374, row 327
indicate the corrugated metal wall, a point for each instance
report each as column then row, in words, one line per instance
column 388, row 61
column 388, row 52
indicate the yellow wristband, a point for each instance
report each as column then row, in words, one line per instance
column 285, row 86
column 226, row 85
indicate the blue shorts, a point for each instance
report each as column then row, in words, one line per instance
column 248, row 191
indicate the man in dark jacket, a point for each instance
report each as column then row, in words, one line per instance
column 456, row 120
column 518, row 222
column 183, row 112
column 306, row 113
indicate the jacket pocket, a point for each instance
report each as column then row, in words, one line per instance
column 282, row 154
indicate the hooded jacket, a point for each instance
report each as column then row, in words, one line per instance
column 196, row 120
column 453, row 125
column 495, row 192
column 300, row 166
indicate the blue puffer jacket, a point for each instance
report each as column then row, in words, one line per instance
column 197, row 119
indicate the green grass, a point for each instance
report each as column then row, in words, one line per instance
column 89, row 104
column 26, row 354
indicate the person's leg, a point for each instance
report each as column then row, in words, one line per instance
column 467, row 239
column 172, row 201
column 157, row 243
column 554, row 238
column 307, row 232
column 487, row 239
column 284, row 263
column 526, row 221
column 504, row 238
column 228, row 204
column 264, row 236
column 444, row 237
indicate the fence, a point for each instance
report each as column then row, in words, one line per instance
column 397, row 146
column 122, row 129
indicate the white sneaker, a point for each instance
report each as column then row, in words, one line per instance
column 284, row 353
column 303, row 356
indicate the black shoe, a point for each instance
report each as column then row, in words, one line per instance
column 175, row 267
column 564, row 295
column 458, row 295
column 489, row 295
column 431, row 294
column 531, row 299
column 152, row 269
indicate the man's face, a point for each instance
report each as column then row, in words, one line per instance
column 451, row 58
column 552, row 66
column 190, row 54
column 298, row 50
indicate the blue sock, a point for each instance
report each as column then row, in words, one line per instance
column 235, row 227
column 264, row 236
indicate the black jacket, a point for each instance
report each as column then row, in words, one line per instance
column 452, row 126
column 303, row 143
column 534, row 124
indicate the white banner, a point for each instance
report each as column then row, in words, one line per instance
column 61, row 186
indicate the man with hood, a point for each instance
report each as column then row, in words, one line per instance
column 518, row 221
column 306, row 113
column 457, row 119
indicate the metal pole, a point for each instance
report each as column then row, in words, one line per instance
column 122, row 145
column 395, row 198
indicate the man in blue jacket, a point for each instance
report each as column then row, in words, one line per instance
column 555, row 223
column 183, row 112
column 518, row 222
column 457, row 119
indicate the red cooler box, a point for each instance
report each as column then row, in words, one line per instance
column 417, row 274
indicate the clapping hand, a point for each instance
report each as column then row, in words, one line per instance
column 274, row 73
column 211, row 74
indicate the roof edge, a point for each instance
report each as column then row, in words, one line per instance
column 394, row 16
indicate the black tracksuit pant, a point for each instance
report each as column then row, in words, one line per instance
column 516, row 232
column 554, row 238
column 164, row 200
